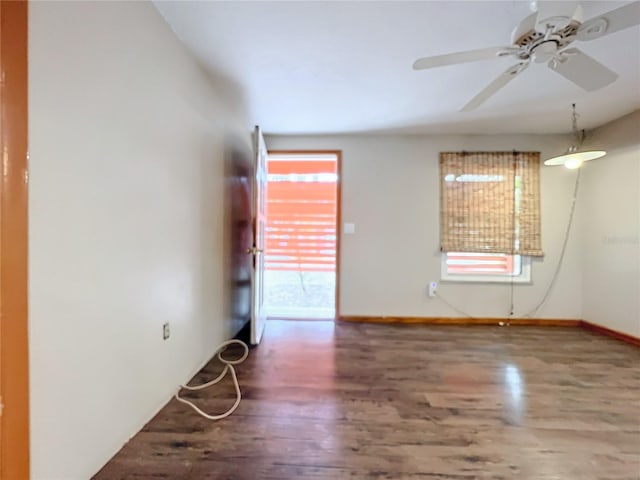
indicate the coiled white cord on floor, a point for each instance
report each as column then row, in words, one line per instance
column 228, row 367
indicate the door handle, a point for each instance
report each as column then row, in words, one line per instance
column 254, row 250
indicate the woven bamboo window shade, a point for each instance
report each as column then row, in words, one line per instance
column 490, row 202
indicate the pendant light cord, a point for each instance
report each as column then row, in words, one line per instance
column 579, row 135
column 513, row 230
column 562, row 252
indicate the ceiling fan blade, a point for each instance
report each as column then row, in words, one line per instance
column 459, row 57
column 523, row 28
column 508, row 75
column 610, row 22
column 556, row 15
column 581, row 69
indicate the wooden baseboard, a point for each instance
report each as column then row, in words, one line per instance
column 625, row 337
column 538, row 322
column 466, row 321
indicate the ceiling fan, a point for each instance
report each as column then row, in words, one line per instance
column 543, row 37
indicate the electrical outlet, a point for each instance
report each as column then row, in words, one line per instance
column 433, row 286
column 166, row 331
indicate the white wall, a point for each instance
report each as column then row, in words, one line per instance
column 390, row 191
column 609, row 202
column 127, row 140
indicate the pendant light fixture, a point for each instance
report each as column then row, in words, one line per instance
column 574, row 156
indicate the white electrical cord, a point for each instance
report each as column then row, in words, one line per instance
column 562, row 251
column 228, row 366
column 452, row 307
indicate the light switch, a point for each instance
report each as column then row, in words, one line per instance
column 349, row 228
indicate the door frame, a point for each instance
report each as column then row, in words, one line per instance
column 14, row 370
column 338, row 154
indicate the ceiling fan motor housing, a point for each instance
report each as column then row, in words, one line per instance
column 540, row 46
column 544, row 51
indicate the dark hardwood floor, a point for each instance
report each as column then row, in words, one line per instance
column 360, row 401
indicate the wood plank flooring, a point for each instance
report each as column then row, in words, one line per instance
column 359, row 401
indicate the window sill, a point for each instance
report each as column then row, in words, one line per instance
column 485, row 279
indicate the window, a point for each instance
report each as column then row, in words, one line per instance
column 489, row 215
column 485, row 267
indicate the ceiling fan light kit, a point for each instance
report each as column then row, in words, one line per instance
column 543, row 37
column 574, row 157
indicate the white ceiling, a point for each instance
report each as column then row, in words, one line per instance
column 344, row 67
